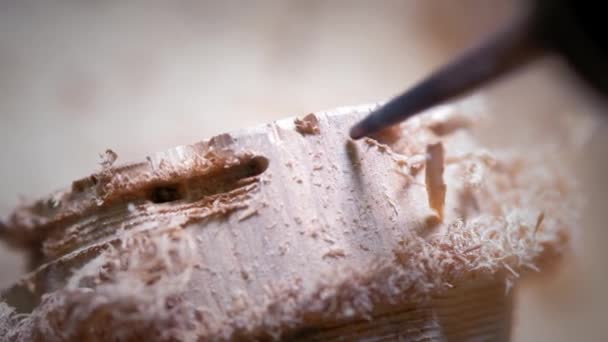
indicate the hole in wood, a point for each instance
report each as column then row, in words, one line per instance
column 256, row 166
column 165, row 194
column 209, row 185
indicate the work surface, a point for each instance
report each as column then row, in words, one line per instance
column 141, row 78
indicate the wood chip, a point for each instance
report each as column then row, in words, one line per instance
column 435, row 186
column 450, row 125
column 308, row 124
column 539, row 222
column 335, row 253
column 389, row 135
column 107, row 159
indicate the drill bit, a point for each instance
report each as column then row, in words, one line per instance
column 563, row 26
column 501, row 53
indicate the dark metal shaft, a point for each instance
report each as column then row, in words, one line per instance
column 501, row 53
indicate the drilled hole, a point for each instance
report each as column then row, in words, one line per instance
column 165, row 194
column 257, row 166
column 209, row 185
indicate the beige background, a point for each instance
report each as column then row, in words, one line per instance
column 78, row 77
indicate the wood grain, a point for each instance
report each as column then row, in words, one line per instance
column 270, row 233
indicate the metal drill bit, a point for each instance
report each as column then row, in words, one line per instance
column 503, row 52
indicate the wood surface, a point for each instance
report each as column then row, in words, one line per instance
column 292, row 230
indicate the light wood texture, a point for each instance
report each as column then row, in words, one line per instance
column 278, row 231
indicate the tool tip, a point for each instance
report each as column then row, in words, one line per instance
column 357, row 131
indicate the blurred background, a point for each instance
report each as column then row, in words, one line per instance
column 78, row 77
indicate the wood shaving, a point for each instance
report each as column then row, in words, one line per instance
column 450, row 124
column 107, row 159
column 307, row 125
column 334, row 253
column 249, row 212
column 435, row 185
column 539, row 222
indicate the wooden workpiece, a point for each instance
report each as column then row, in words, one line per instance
column 293, row 231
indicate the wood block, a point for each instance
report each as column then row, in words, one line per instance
column 293, row 231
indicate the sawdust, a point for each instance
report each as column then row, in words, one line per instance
column 375, row 143
column 7, row 320
column 127, row 292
